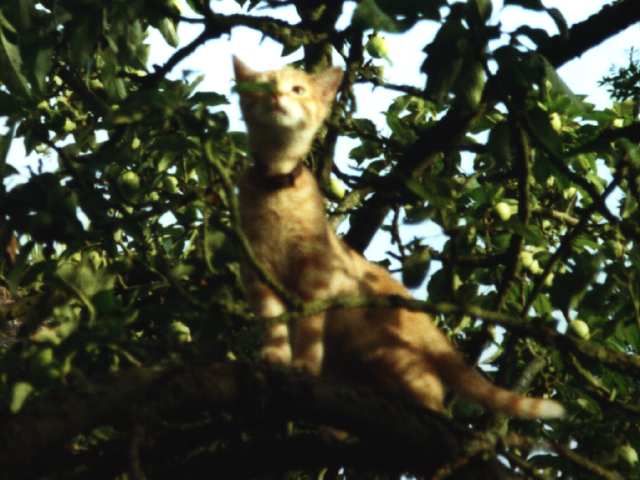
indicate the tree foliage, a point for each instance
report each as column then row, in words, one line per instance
column 128, row 350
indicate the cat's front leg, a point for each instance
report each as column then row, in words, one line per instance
column 264, row 302
column 308, row 345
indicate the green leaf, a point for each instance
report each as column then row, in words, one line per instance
column 415, row 267
column 42, row 66
column 210, row 99
column 11, row 67
column 499, row 144
column 19, row 394
column 543, row 131
column 469, row 86
column 369, row 15
column 167, row 28
column 445, row 58
column 6, row 24
column 481, row 9
column 115, row 87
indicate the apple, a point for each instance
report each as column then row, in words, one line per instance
column 580, row 328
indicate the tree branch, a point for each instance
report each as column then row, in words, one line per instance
column 622, row 362
column 256, row 390
column 442, row 136
column 583, row 36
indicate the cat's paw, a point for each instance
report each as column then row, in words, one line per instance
column 277, row 355
column 311, row 366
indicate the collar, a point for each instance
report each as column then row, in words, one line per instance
column 276, row 182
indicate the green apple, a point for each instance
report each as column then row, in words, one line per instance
column 337, row 188
column 129, row 183
column 170, row 184
column 526, row 258
column 503, row 210
column 580, row 328
column 377, row 47
column 556, row 121
column 69, row 125
column 628, row 454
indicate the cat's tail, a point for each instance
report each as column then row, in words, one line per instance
column 469, row 383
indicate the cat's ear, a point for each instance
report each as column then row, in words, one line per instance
column 328, row 82
column 243, row 73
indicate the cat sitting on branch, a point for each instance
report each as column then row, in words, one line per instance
column 282, row 214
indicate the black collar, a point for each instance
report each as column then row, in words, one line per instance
column 276, row 182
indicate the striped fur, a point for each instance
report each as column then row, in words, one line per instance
column 394, row 350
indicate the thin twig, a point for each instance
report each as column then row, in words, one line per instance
column 567, row 241
column 622, row 362
column 287, row 297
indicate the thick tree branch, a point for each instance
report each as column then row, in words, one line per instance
column 264, row 392
column 444, row 135
column 583, row 36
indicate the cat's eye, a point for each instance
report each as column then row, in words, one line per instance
column 298, row 89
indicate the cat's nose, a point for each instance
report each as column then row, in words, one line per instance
column 275, row 102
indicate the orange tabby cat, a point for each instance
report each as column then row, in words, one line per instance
column 282, row 214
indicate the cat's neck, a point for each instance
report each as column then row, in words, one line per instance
column 276, row 181
column 279, row 153
column 272, row 164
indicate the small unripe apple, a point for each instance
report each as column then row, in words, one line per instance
column 19, row 393
column 180, row 332
column 377, row 47
column 580, row 328
column 457, row 282
column 556, row 121
column 617, row 247
column 129, row 183
column 170, row 184
column 628, row 454
column 526, row 258
column 535, row 267
column 569, row 193
column 337, row 188
column 96, row 259
column 153, row 197
column 503, row 210
column 69, row 125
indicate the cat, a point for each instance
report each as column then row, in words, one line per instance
column 282, row 214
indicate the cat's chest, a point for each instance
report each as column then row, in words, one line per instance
column 282, row 223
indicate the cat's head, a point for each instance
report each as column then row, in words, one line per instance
column 286, row 105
